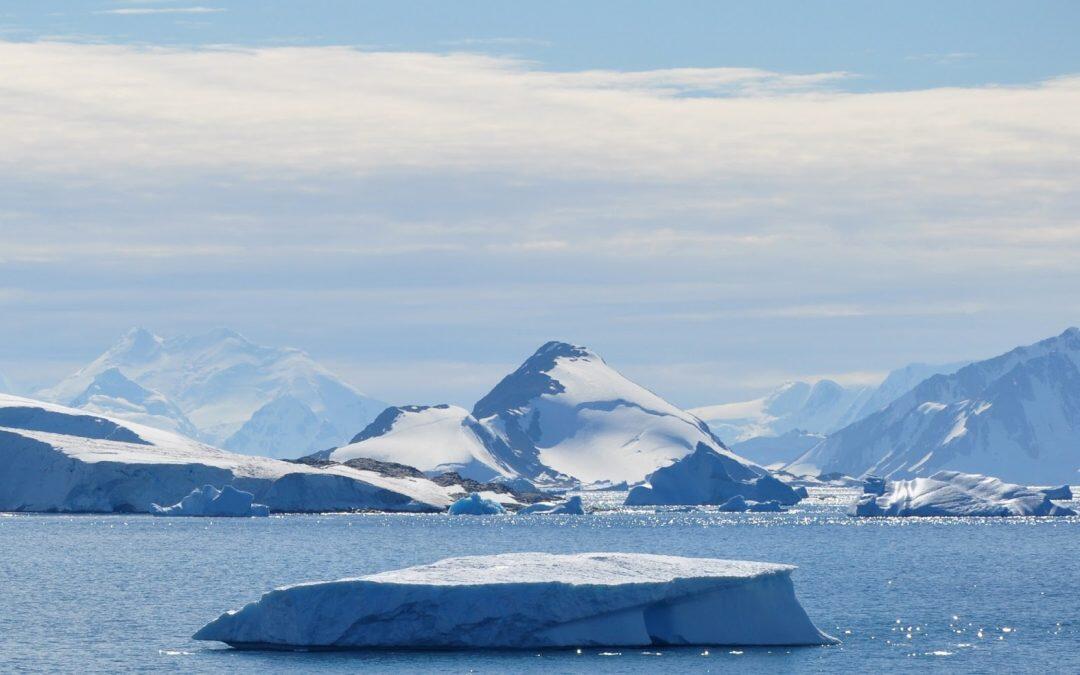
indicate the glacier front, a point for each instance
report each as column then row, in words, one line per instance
column 531, row 600
column 58, row 459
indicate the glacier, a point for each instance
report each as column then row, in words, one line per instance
column 950, row 493
column 709, row 477
column 796, row 412
column 58, row 459
column 531, row 600
column 209, row 501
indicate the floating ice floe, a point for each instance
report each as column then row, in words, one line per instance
column 475, row 505
column 571, row 507
column 739, row 505
column 532, row 600
column 950, row 493
column 209, row 501
column 709, row 477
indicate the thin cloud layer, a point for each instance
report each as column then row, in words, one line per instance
column 439, row 204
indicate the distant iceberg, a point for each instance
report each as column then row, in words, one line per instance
column 950, row 493
column 571, row 507
column 709, row 477
column 475, row 505
column 209, row 501
column 532, row 600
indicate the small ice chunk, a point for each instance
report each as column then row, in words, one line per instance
column 571, row 507
column 475, row 505
column 874, row 485
column 208, row 501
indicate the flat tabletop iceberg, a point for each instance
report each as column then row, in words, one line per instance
column 532, row 600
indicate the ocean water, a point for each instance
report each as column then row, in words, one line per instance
column 124, row 593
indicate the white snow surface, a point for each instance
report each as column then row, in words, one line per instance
column 208, row 501
column 565, row 412
column 433, row 439
column 222, row 381
column 532, row 600
column 54, row 458
column 950, row 493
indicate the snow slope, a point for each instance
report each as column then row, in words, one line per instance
column 819, row 408
column 54, row 458
column 566, row 413
column 112, row 394
column 245, row 397
column 949, row 493
column 435, row 439
column 532, row 600
column 1016, row 416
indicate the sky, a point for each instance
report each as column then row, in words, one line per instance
column 717, row 197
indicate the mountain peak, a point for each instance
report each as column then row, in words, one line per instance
column 137, row 344
column 555, row 349
column 531, row 379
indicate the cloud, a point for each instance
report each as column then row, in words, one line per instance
column 135, row 11
column 390, row 206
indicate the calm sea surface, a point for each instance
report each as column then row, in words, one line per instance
column 125, row 593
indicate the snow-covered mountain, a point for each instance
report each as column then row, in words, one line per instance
column 565, row 412
column 563, row 416
column 771, row 450
column 112, row 394
column 819, row 408
column 54, row 458
column 435, row 439
column 259, row 400
column 1015, row 416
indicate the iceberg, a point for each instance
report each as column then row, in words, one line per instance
column 708, row 477
column 571, row 507
column 531, row 600
column 1063, row 493
column 209, row 501
column 950, row 493
column 874, row 485
column 475, row 505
